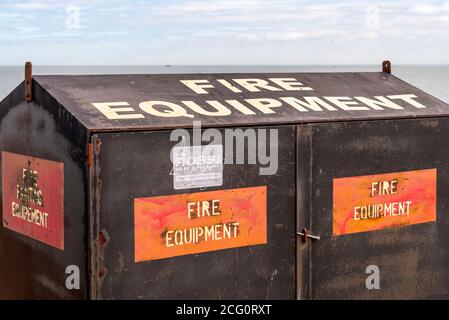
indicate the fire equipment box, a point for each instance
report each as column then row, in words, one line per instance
column 224, row 186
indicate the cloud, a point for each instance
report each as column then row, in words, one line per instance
column 426, row 9
column 32, row 6
column 246, row 11
column 27, row 29
column 219, row 6
column 217, row 27
column 14, row 15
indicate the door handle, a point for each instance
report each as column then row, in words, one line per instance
column 306, row 235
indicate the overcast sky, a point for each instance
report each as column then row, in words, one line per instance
column 194, row 32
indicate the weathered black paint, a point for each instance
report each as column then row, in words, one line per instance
column 412, row 259
column 28, row 268
column 259, row 272
column 131, row 159
column 77, row 93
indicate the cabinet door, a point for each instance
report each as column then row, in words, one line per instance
column 376, row 195
column 142, row 214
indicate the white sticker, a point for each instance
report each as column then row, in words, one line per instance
column 197, row 166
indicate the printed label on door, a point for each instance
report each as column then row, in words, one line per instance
column 197, row 167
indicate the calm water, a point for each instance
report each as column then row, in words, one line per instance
column 433, row 79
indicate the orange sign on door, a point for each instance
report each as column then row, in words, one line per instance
column 175, row 225
column 381, row 201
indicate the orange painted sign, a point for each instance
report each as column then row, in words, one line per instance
column 175, row 225
column 382, row 201
column 33, row 197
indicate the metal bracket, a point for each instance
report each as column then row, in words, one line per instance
column 28, row 82
column 90, row 155
column 306, row 235
column 386, row 66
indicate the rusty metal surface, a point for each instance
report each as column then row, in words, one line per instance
column 412, row 258
column 386, row 66
column 97, row 239
column 28, row 82
column 258, row 272
column 77, row 93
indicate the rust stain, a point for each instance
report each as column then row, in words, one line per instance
column 90, row 156
column 99, row 238
column 28, row 82
column 102, row 240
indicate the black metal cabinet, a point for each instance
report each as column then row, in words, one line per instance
column 88, row 183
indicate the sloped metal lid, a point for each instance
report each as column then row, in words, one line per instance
column 152, row 102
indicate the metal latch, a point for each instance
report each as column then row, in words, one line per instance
column 305, row 234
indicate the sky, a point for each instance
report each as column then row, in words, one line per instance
column 223, row 32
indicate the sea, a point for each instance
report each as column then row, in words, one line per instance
column 433, row 79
